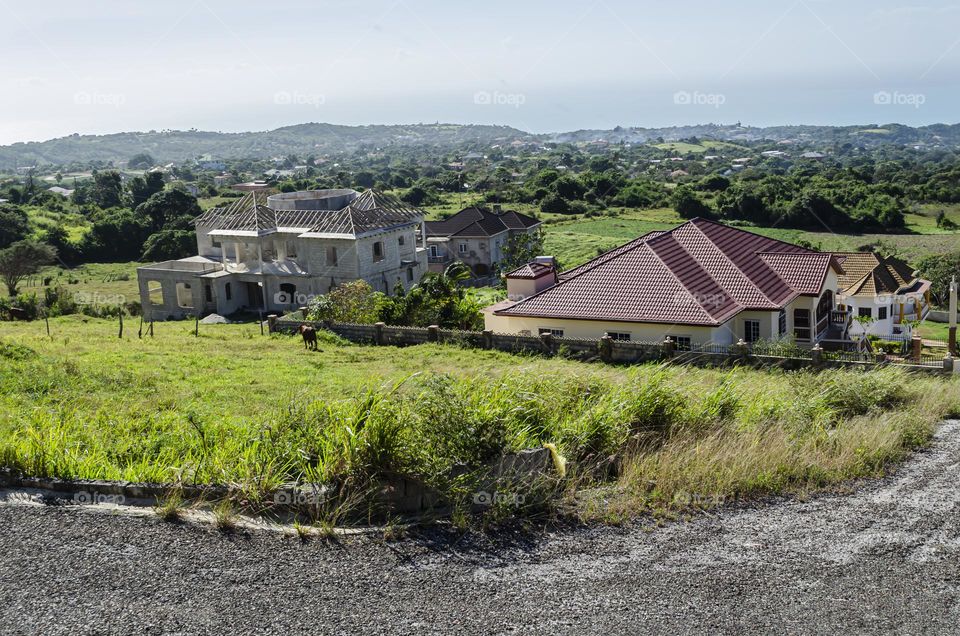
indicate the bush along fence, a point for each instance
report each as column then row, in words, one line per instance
column 607, row 349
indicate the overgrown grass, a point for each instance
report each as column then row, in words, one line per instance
column 235, row 408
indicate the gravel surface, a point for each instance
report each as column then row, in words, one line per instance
column 883, row 559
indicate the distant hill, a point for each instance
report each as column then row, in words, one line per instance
column 317, row 138
column 301, row 140
column 867, row 134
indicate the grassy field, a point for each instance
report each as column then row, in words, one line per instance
column 111, row 283
column 235, row 407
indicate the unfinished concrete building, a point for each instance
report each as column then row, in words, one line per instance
column 276, row 252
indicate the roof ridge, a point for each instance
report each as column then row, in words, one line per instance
column 695, row 296
column 732, row 264
column 739, row 229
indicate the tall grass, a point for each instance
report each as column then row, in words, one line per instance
column 641, row 439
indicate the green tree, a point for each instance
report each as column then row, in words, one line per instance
column 142, row 188
column 171, row 209
column 169, row 244
column 23, row 259
column 107, row 190
column 688, row 205
column 14, row 225
column 141, row 160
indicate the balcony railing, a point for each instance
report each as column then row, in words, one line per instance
column 438, row 259
column 840, row 317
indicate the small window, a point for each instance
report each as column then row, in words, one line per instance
column 463, row 248
column 882, row 313
column 619, row 335
column 228, row 292
column 751, row 330
column 208, row 293
column 331, row 257
column 215, row 243
column 400, row 241
column 378, row 251
column 682, row 343
column 556, row 333
column 433, row 251
column 291, row 249
column 865, row 312
column 782, row 322
column 409, row 274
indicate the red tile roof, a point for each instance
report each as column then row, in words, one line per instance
column 700, row 273
column 530, row 270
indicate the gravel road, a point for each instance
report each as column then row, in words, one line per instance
column 883, row 559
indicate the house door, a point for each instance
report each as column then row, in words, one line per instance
column 254, row 296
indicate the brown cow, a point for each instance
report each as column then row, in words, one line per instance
column 309, row 335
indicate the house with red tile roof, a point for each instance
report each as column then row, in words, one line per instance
column 701, row 282
column 475, row 236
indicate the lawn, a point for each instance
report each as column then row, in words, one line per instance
column 232, row 406
column 101, row 283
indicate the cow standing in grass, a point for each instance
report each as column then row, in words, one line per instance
column 309, row 335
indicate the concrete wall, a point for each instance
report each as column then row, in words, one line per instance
column 594, row 329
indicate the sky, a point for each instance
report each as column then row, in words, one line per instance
column 105, row 66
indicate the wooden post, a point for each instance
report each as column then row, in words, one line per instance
column 120, row 315
column 606, row 348
column 260, row 313
column 196, row 325
column 151, row 328
column 140, row 328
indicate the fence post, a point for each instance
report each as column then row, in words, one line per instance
column 916, row 344
column 948, row 363
column 742, row 349
column 667, row 347
column 487, row 339
column 433, row 333
column 272, row 323
column 303, row 312
column 816, row 355
column 606, row 348
column 546, row 342
column 378, row 333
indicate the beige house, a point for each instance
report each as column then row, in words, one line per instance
column 700, row 283
column 477, row 237
column 274, row 253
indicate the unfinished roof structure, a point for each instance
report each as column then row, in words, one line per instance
column 699, row 273
column 367, row 213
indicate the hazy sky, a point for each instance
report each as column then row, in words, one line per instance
column 107, row 66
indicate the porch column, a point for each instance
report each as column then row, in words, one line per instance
column 236, row 251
